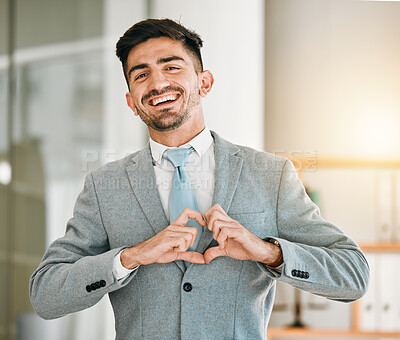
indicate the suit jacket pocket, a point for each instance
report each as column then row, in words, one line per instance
column 254, row 222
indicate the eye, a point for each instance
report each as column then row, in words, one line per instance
column 141, row 75
column 170, row 68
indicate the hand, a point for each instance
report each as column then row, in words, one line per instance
column 236, row 241
column 169, row 245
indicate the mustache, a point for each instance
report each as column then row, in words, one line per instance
column 167, row 89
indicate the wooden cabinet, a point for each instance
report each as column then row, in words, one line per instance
column 303, row 163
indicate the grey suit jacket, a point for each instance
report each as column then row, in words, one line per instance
column 226, row 299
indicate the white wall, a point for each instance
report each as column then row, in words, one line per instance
column 333, row 77
column 123, row 132
column 233, row 35
column 332, row 89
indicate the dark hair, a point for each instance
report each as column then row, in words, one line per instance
column 156, row 28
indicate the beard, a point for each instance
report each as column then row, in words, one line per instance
column 169, row 119
column 165, row 120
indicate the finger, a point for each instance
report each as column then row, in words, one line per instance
column 180, row 246
column 194, row 232
column 216, row 228
column 191, row 256
column 222, row 238
column 175, row 229
column 180, row 238
column 215, row 216
column 228, row 226
column 212, row 253
column 200, row 219
column 224, row 234
column 189, row 213
column 186, row 230
column 209, row 212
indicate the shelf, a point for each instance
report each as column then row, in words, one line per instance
column 276, row 333
column 310, row 161
column 302, row 162
column 380, row 247
column 357, row 163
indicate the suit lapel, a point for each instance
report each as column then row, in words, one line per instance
column 142, row 179
column 143, row 182
column 227, row 173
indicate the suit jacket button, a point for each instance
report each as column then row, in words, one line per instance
column 88, row 288
column 294, row 272
column 302, row 274
column 307, row 275
column 102, row 283
column 93, row 286
column 97, row 284
column 187, row 287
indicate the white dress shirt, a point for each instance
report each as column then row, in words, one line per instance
column 200, row 168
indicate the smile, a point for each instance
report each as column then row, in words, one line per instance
column 163, row 99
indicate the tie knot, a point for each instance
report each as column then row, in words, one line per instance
column 178, row 157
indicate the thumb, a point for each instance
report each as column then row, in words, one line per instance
column 212, row 253
column 191, row 256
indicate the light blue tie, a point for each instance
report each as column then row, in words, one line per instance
column 182, row 195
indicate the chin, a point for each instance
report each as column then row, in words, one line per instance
column 166, row 127
column 170, row 123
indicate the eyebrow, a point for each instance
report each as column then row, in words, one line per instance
column 168, row 59
column 159, row 61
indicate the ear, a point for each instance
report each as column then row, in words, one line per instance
column 207, row 81
column 129, row 101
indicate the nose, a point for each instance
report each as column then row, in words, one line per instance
column 158, row 80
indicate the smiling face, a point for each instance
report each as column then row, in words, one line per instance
column 164, row 88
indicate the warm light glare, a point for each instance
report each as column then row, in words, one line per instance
column 377, row 131
column 5, row 173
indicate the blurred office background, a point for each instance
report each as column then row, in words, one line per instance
column 316, row 80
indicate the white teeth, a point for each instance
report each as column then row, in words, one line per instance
column 164, row 99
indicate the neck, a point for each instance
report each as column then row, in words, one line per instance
column 179, row 136
column 175, row 138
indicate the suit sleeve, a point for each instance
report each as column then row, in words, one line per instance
column 77, row 270
column 318, row 256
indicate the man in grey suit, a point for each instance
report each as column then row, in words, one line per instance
column 256, row 225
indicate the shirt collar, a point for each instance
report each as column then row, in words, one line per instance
column 200, row 144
